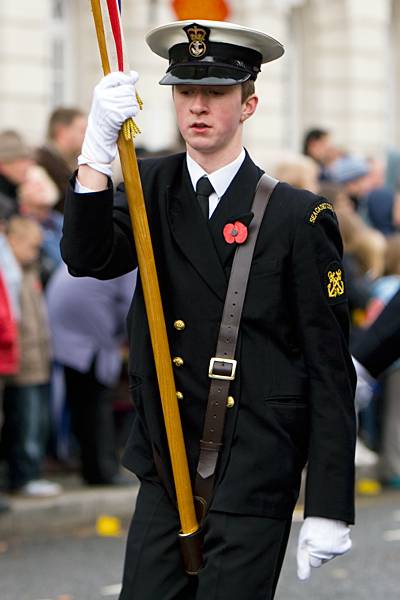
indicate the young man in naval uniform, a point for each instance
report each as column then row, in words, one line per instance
column 292, row 398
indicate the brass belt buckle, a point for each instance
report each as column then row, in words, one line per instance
column 229, row 361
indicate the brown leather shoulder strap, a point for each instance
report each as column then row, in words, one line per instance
column 223, row 366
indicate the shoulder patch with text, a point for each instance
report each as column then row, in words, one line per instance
column 317, row 210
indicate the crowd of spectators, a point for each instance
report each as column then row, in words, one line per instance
column 62, row 338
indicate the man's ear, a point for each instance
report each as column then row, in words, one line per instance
column 249, row 107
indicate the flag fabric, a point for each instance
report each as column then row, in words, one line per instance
column 113, row 34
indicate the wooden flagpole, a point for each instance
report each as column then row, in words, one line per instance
column 154, row 309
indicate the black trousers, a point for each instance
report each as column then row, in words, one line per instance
column 92, row 422
column 243, row 554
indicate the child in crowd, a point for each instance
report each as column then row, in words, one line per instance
column 26, row 394
column 36, row 198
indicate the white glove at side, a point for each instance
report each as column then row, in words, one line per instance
column 320, row 540
column 114, row 101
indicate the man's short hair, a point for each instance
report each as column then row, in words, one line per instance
column 13, row 147
column 248, row 89
column 311, row 136
column 62, row 116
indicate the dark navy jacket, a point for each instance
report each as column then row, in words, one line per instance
column 295, row 383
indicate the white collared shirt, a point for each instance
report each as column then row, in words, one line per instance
column 220, row 179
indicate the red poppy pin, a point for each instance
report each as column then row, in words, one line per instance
column 235, row 233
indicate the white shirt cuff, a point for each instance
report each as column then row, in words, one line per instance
column 81, row 189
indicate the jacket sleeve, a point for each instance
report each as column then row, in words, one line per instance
column 97, row 237
column 379, row 346
column 322, row 316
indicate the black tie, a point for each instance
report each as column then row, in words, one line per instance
column 203, row 191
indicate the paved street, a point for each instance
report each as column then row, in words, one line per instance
column 82, row 566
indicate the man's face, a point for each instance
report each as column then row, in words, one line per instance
column 70, row 137
column 26, row 248
column 322, row 149
column 209, row 117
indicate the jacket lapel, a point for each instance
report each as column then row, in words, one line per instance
column 193, row 235
column 234, row 205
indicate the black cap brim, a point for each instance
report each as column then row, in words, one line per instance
column 204, row 75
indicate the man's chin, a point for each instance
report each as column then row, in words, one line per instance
column 204, row 146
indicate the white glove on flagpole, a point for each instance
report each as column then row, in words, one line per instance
column 114, row 101
column 320, row 540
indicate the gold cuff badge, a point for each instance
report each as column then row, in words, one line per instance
column 336, row 284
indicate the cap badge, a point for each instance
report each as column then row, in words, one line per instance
column 198, row 36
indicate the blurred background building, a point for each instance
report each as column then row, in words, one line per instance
column 340, row 71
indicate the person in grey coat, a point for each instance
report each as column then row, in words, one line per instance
column 87, row 321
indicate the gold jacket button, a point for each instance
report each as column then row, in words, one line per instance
column 179, row 325
column 179, row 395
column 178, row 361
column 230, row 402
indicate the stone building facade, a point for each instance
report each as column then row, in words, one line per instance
column 340, row 71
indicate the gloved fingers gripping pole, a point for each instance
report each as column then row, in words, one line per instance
column 129, row 127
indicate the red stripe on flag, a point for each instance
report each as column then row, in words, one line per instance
column 113, row 11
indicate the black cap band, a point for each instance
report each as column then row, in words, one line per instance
column 227, row 57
